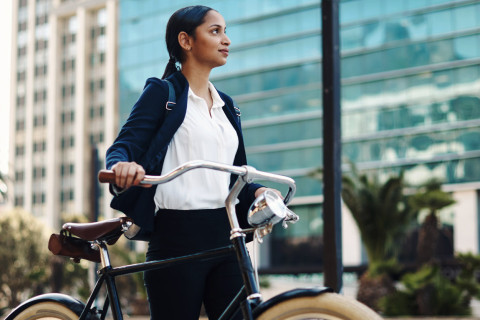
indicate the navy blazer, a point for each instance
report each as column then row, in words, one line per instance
column 145, row 137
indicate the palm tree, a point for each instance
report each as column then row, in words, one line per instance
column 431, row 197
column 382, row 213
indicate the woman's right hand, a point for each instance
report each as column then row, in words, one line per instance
column 129, row 174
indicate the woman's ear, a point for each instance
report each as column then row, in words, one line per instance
column 185, row 41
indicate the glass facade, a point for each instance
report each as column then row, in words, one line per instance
column 410, row 88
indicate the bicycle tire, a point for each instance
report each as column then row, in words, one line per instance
column 47, row 310
column 326, row 306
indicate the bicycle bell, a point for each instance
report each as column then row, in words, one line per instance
column 268, row 208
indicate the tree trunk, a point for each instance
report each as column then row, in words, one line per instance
column 427, row 244
column 56, row 278
column 427, row 239
column 371, row 289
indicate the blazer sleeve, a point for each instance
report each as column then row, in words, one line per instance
column 145, row 118
column 247, row 195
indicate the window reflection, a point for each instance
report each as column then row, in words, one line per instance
column 263, row 81
column 272, row 134
column 465, row 18
column 277, row 26
column 418, row 146
column 467, row 47
column 272, row 54
column 450, row 171
column 413, row 55
column 288, row 159
column 418, row 26
column 281, row 104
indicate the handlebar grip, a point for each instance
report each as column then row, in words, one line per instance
column 106, row 176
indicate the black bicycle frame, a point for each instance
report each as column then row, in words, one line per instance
column 242, row 301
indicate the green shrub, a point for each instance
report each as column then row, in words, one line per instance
column 428, row 292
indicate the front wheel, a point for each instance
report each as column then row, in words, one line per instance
column 50, row 306
column 326, row 306
column 46, row 310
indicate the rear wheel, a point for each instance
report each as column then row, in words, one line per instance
column 47, row 310
column 326, row 306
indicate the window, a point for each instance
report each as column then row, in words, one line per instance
column 440, row 22
column 19, row 176
column 20, row 125
column 19, row 201
column 39, row 172
column 21, row 51
column 22, row 26
column 464, row 18
column 20, row 150
column 466, row 47
column 20, row 101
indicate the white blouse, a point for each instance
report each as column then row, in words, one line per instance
column 201, row 136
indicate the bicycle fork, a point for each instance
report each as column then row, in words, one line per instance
column 253, row 297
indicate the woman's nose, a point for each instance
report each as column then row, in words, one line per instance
column 226, row 40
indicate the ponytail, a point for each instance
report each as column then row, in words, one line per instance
column 187, row 20
column 171, row 68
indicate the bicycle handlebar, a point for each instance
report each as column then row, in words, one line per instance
column 248, row 173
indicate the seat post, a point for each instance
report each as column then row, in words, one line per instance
column 104, row 256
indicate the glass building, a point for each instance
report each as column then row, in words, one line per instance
column 410, row 98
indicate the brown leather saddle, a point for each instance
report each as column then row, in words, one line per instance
column 75, row 239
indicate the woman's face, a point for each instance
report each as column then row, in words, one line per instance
column 210, row 44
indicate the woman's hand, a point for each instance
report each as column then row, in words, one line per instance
column 261, row 190
column 129, row 174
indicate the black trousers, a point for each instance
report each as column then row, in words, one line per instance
column 178, row 292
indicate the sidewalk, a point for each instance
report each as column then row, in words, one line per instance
column 412, row 318
column 415, row 318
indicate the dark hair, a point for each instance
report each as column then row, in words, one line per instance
column 186, row 19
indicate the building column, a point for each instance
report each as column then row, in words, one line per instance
column 82, row 154
column 52, row 214
column 351, row 240
column 111, row 84
column 466, row 221
column 29, row 93
column 13, row 107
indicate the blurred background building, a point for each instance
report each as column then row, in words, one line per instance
column 410, row 100
column 63, row 102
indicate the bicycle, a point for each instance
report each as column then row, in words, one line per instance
column 91, row 240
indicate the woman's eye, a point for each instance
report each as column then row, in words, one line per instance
column 215, row 31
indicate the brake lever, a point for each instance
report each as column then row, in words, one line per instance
column 291, row 217
column 262, row 232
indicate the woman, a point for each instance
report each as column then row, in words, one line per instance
column 186, row 215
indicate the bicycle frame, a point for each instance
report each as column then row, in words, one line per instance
column 249, row 296
column 108, row 274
